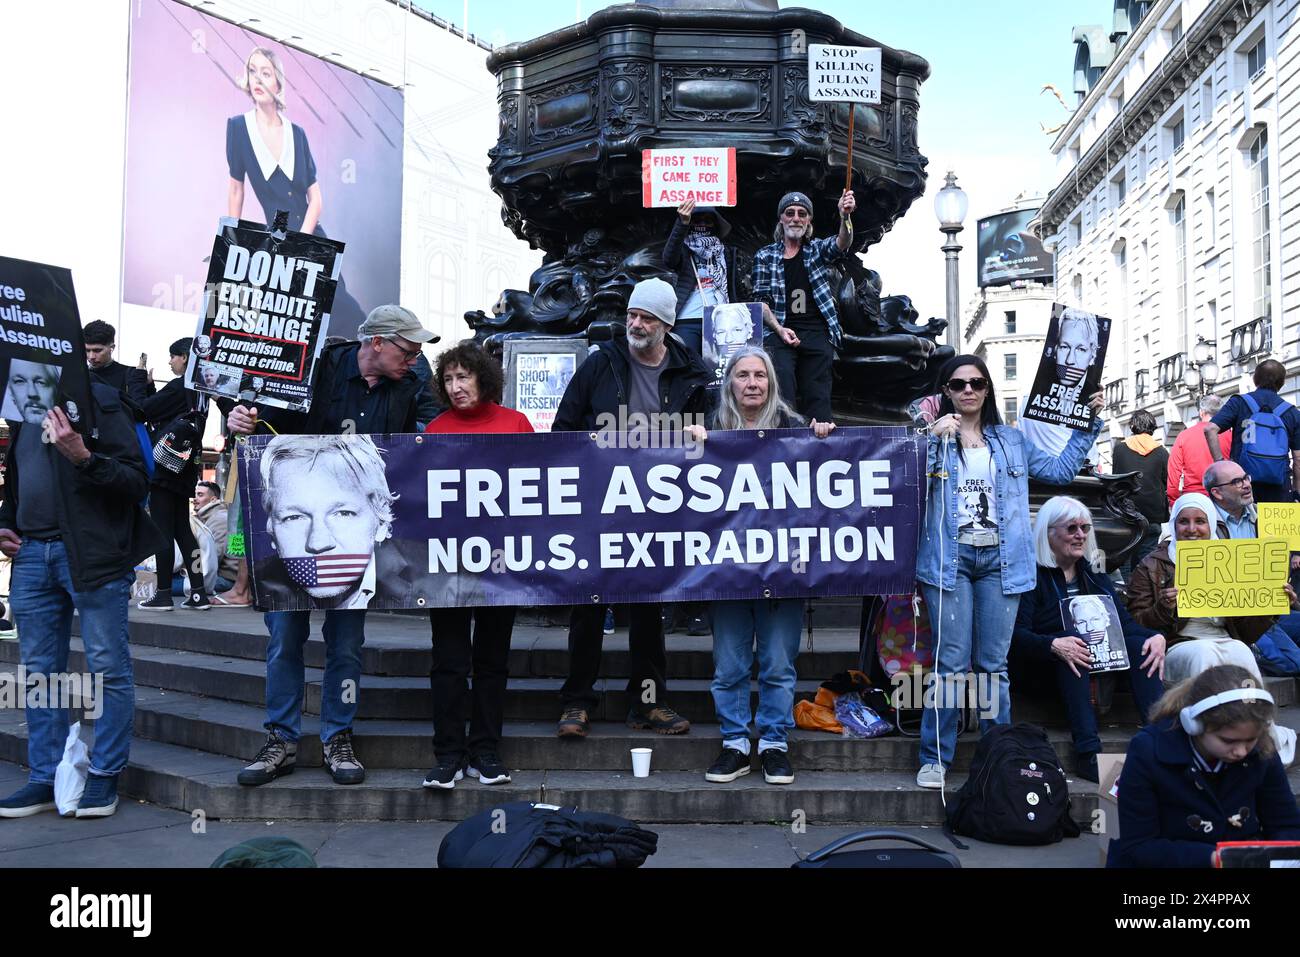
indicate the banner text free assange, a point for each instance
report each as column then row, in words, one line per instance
column 834, row 485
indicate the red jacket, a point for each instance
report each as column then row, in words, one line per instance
column 1190, row 458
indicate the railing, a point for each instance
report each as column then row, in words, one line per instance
column 1141, row 383
column 1114, row 393
column 1251, row 339
column 1169, row 371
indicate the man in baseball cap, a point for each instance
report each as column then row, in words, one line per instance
column 365, row 388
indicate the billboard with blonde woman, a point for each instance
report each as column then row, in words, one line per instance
column 227, row 122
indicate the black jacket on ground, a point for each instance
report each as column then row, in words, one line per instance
column 403, row 400
column 133, row 383
column 1151, row 498
column 600, row 386
column 105, row 529
column 539, row 836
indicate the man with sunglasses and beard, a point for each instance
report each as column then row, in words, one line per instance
column 792, row 279
column 364, row 388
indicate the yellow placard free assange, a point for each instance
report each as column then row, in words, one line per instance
column 1232, row 579
column 1280, row 520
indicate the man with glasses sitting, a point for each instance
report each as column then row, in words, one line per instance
column 792, row 279
column 1231, row 490
column 364, row 388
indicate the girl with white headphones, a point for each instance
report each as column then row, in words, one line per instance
column 1204, row 771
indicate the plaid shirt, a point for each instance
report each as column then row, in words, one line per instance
column 769, row 280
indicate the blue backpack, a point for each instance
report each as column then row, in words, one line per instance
column 1265, row 445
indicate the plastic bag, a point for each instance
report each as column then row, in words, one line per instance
column 857, row 719
column 70, row 775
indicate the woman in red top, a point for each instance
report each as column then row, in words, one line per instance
column 469, row 382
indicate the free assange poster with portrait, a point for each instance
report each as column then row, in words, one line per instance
column 1094, row 621
column 223, row 121
column 1069, row 371
column 42, row 355
column 727, row 328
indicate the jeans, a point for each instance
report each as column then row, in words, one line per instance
column 42, row 597
column 691, row 332
column 344, row 633
column 1075, row 692
column 737, row 626
column 804, row 374
column 453, row 656
column 646, row 685
column 974, row 635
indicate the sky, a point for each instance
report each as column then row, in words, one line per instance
column 981, row 109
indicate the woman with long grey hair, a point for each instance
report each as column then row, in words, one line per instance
column 751, row 399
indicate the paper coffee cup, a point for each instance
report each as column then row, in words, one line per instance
column 641, row 762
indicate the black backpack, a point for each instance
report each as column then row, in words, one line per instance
column 176, row 445
column 1016, row 792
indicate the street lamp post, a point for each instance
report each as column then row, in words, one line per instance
column 950, row 206
column 1203, row 372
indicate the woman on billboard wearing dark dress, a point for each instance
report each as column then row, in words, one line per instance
column 276, row 159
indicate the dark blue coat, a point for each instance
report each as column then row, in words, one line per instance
column 1165, row 801
column 1038, row 621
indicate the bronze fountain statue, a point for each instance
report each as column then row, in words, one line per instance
column 577, row 107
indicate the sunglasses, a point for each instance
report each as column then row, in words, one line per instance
column 1074, row 528
column 796, row 212
column 978, row 384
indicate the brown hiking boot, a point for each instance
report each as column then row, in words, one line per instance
column 573, row 723
column 661, row 719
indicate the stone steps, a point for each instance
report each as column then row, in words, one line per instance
column 194, row 781
column 235, row 730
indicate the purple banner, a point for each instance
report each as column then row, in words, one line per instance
column 432, row 521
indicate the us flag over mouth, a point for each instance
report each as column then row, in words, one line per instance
column 322, row 570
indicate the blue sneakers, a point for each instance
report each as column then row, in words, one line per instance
column 28, row 800
column 100, row 797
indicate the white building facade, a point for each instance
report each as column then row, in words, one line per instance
column 1178, row 205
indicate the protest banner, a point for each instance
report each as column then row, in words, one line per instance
column 1093, row 620
column 843, row 73
column 1279, row 520
column 434, row 521
column 537, row 373
column 1070, row 369
column 671, row 177
column 1219, row 578
column 266, row 310
column 42, row 355
column 728, row 328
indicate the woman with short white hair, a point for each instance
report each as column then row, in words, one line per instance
column 1047, row 648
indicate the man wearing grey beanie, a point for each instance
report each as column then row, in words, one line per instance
column 791, row 277
column 626, row 386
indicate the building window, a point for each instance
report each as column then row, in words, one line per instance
column 1011, row 322
column 1207, row 100
column 1261, row 236
column 1119, row 187
column 1010, row 368
column 1177, row 133
column 442, row 286
column 1211, row 218
column 1181, row 291
column 1009, row 409
column 1076, row 230
column 1076, row 288
column 1175, row 32
column 1257, row 58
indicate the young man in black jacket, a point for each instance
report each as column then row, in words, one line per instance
column 73, row 524
column 100, row 338
column 648, row 374
column 364, row 388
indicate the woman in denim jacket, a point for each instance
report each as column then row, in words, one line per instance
column 976, row 554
